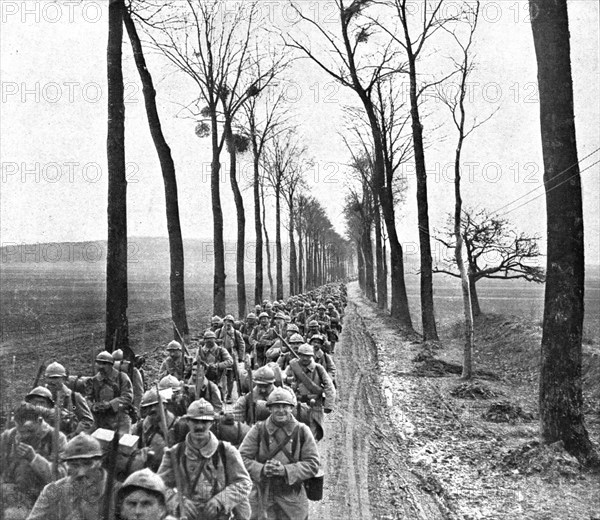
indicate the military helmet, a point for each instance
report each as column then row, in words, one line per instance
column 216, row 319
column 321, row 306
column 41, row 391
column 83, row 446
column 117, row 355
column 229, row 317
column 313, row 323
column 263, row 315
column 264, row 376
column 281, row 396
column 200, row 410
column 209, row 334
column 280, row 316
column 307, row 305
column 306, row 349
column 292, row 327
column 330, row 306
column 150, row 398
column 318, row 337
column 296, row 338
column 169, row 382
column 144, row 479
column 105, row 357
column 251, row 316
column 55, row 370
column 174, row 345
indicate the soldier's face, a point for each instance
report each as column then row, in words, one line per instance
column 305, row 359
column 281, row 412
column 29, row 430
column 103, row 368
column 141, row 505
column 175, row 354
column 264, row 390
column 199, row 430
column 85, row 471
column 264, row 320
column 316, row 345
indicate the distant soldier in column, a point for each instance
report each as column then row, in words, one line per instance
column 233, row 341
column 137, row 381
column 322, row 357
column 111, row 395
column 213, row 358
column 261, row 339
column 76, row 416
column 280, row 346
column 251, row 408
column 246, row 330
column 176, row 364
column 286, row 356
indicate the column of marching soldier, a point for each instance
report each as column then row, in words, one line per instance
column 113, row 447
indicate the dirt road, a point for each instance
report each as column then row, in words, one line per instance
column 366, row 474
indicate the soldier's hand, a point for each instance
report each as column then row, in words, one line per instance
column 25, row 451
column 211, row 509
column 189, row 509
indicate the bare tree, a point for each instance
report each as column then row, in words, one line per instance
column 167, row 166
column 117, row 329
column 494, row 250
column 560, row 400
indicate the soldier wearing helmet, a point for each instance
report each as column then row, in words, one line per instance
column 215, row 323
column 262, row 337
column 247, row 328
column 294, row 341
column 314, row 389
column 137, row 381
column 280, row 347
column 303, row 317
column 213, row 358
column 280, row 454
column 27, row 453
column 143, row 496
column 233, row 341
column 251, row 407
column 111, row 395
column 176, row 364
column 214, row 477
column 76, row 416
column 322, row 357
column 81, row 494
column 312, row 328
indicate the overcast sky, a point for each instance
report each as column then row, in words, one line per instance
column 53, row 125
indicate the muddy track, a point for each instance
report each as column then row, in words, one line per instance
column 366, row 476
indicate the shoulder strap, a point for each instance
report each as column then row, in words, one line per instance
column 310, row 385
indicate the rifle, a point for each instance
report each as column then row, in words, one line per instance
column 286, row 344
column 186, row 352
column 111, row 468
column 174, row 464
column 251, row 396
column 56, row 435
column 38, row 376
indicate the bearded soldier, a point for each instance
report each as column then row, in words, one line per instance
column 214, row 479
column 81, row 494
column 280, row 454
column 76, row 416
column 253, row 407
column 111, row 395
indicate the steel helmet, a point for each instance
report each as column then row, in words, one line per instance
column 307, row 305
column 281, row 396
column 280, row 316
column 229, row 317
column 209, row 334
column 307, row 350
column 292, row 327
column 169, row 382
column 144, row 479
column 41, row 391
column 296, row 338
column 321, row 306
column 174, row 345
column 264, row 315
column 150, row 398
column 264, row 376
column 105, row 357
column 313, row 323
column 251, row 316
column 216, row 319
column 83, row 446
column 55, row 370
column 318, row 337
column 117, row 355
column 330, row 306
column 200, row 410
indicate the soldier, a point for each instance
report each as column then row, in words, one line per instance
column 279, row 346
column 250, row 408
column 233, row 341
column 214, row 478
column 302, row 318
column 205, row 389
column 151, row 439
column 286, row 356
column 261, row 339
column 111, row 395
column 41, row 397
column 137, row 380
column 312, row 329
column 143, row 496
column 176, row 364
column 280, row 454
column 322, row 357
column 314, row 388
column 27, row 454
column 336, row 326
column 322, row 319
column 76, row 416
column 81, row 494
column 213, row 358
column 247, row 328
column 216, row 323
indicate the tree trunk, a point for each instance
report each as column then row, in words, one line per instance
column 258, row 255
column 427, row 308
column 241, row 220
column 381, row 280
column 117, row 329
column 278, row 251
column 219, row 267
column 167, row 166
column 267, row 244
column 360, row 265
column 560, row 399
column 473, row 293
column 300, row 262
column 293, row 264
column 369, row 271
